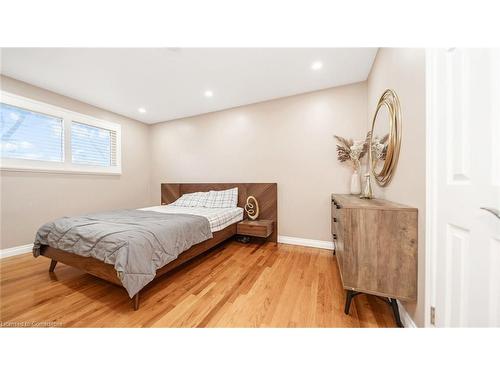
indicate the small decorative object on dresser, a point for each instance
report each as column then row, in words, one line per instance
column 355, row 183
column 367, row 189
column 252, row 208
column 376, row 249
column 353, row 151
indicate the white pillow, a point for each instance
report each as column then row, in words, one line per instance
column 222, row 198
column 197, row 199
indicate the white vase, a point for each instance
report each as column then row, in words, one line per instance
column 355, row 183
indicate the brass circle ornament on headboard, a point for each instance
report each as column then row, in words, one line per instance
column 252, row 207
column 385, row 150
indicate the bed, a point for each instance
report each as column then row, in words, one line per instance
column 130, row 248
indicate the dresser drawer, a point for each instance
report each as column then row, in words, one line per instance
column 334, row 210
column 334, row 228
column 335, row 207
column 335, row 213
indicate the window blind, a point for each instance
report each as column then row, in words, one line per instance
column 91, row 145
column 30, row 135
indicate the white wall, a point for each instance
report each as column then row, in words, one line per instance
column 288, row 141
column 403, row 70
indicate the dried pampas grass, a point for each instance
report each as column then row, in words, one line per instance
column 349, row 150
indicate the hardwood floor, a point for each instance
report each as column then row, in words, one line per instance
column 235, row 285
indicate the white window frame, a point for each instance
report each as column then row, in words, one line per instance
column 67, row 116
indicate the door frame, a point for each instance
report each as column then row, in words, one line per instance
column 432, row 123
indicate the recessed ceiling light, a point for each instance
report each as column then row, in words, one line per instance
column 317, row 65
column 142, row 110
column 209, row 93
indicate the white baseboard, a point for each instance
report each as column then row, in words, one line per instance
column 306, row 242
column 23, row 249
column 17, row 250
column 405, row 317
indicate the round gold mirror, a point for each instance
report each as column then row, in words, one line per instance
column 385, row 138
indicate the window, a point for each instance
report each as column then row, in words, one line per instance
column 92, row 146
column 37, row 136
column 30, row 135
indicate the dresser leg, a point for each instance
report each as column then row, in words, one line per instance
column 348, row 299
column 391, row 301
column 395, row 310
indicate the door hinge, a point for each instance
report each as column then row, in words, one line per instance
column 433, row 315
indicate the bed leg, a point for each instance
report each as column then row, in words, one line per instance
column 136, row 302
column 53, row 264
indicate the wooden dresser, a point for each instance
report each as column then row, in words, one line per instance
column 376, row 248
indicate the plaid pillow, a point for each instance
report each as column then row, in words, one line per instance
column 197, row 199
column 222, row 198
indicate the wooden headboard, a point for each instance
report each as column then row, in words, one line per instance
column 266, row 194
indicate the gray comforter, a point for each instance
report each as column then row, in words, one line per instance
column 136, row 242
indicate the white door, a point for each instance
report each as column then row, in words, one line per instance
column 463, row 88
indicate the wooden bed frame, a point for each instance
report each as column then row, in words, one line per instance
column 266, row 194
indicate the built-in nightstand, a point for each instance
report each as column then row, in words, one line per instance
column 255, row 228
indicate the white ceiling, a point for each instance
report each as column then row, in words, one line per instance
column 170, row 82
